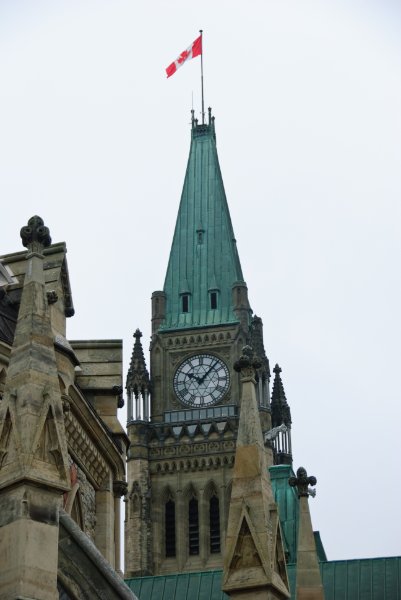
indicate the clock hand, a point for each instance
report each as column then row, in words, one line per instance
column 192, row 376
column 202, row 379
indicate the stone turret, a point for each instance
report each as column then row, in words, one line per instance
column 281, row 415
column 256, row 341
column 34, row 470
column 158, row 309
column 138, row 383
column 138, row 523
column 254, row 564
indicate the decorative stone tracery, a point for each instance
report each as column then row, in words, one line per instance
column 85, row 449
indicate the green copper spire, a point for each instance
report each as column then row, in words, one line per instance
column 204, row 263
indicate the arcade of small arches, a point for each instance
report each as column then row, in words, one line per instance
column 203, row 464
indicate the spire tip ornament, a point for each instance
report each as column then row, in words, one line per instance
column 35, row 236
column 302, row 481
column 247, row 363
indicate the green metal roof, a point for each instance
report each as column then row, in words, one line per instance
column 364, row 579
column 203, row 256
column 286, row 498
column 361, row 579
column 288, row 507
column 321, row 553
column 185, row 586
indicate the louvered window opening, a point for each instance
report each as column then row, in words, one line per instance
column 213, row 300
column 214, row 522
column 185, row 303
column 170, row 528
column 193, row 527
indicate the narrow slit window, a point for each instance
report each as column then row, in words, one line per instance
column 193, row 527
column 185, row 303
column 214, row 524
column 213, row 300
column 169, row 513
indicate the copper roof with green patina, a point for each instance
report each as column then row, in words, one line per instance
column 288, row 508
column 203, row 257
column 359, row 579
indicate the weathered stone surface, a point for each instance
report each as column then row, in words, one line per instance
column 28, row 529
column 83, row 571
column 309, row 582
column 33, row 449
column 254, row 565
column 42, row 412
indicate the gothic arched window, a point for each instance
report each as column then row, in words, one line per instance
column 193, row 526
column 214, row 524
column 169, row 519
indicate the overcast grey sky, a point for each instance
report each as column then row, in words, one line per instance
column 307, row 100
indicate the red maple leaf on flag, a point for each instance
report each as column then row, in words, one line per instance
column 195, row 49
column 183, row 57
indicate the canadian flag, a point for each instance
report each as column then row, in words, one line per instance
column 195, row 49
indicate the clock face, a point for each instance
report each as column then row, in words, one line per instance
column 201, row 380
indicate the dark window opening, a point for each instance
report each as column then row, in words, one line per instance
column 193, row 527
column 169, row 513
column 214, row 524
column 213, row 300
column 185, row 303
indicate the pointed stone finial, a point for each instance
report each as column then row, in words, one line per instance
column 279, row 406
column 281, row 415
column 256, row 336
column 138, row 376
column 35, row 236
column 254, row 564
column 138, row 382
column 277, row 370
column 302, row 481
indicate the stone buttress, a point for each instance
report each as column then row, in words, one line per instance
column 34, row 469
column 254, row 561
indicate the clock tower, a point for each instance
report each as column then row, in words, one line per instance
column 183, row 418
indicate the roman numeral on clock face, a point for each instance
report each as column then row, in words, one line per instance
column 201, row 380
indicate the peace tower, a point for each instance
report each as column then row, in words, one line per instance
column 183, row 418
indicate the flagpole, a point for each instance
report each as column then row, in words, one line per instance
column 203, row 101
